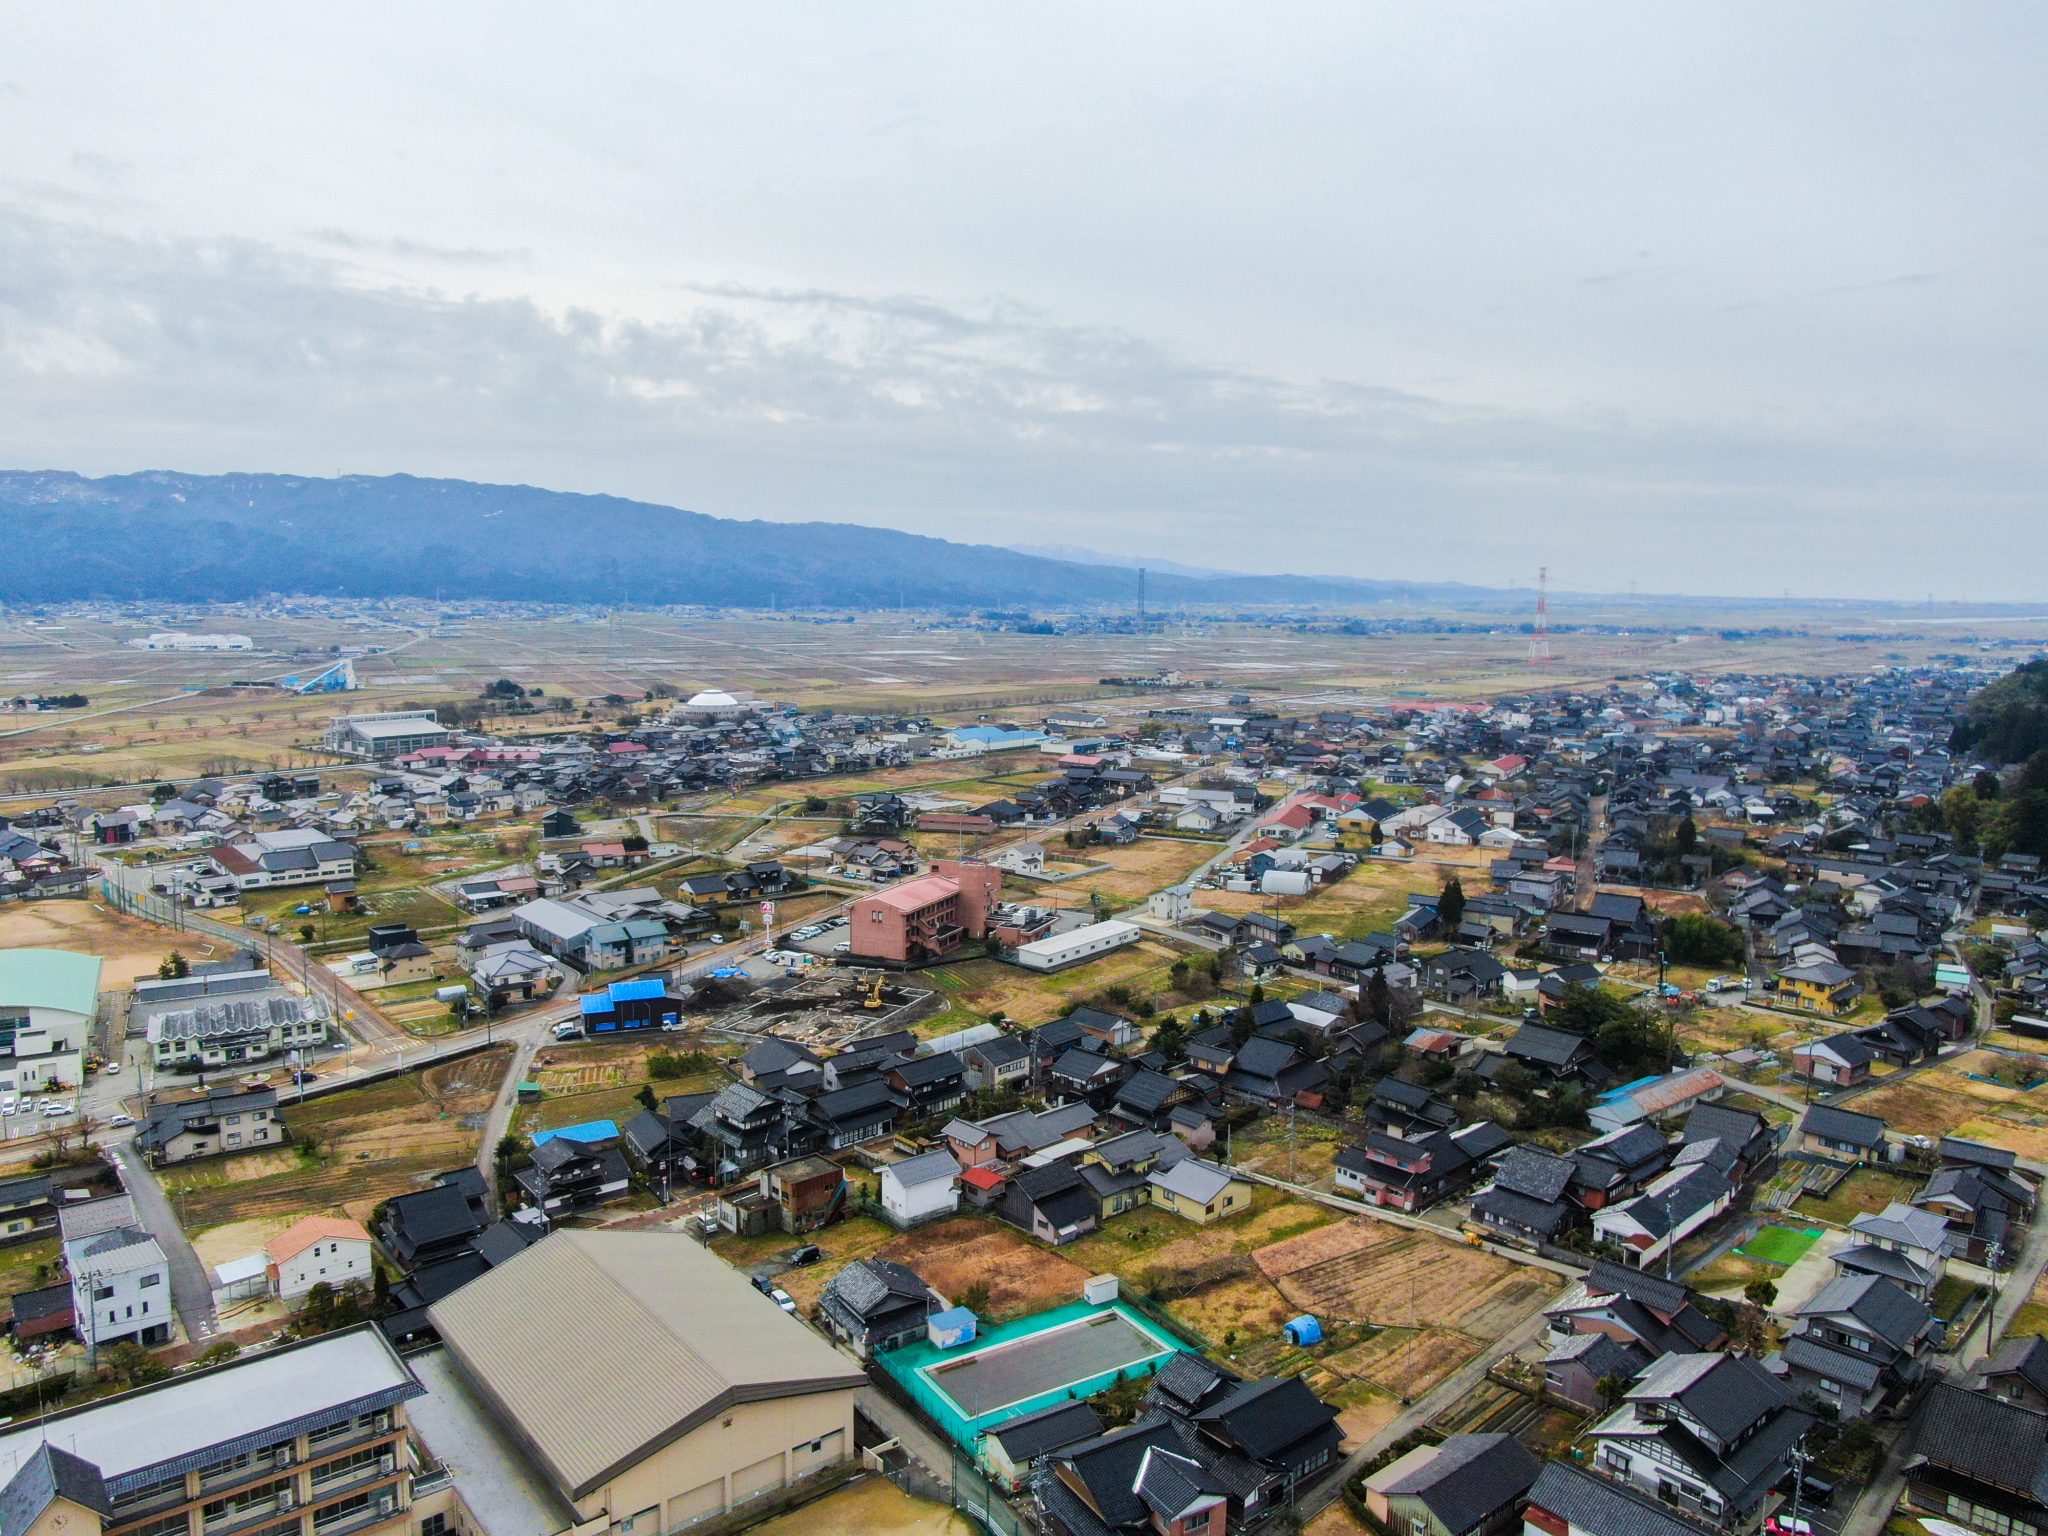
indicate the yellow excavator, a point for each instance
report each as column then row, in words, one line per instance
column 873, row 998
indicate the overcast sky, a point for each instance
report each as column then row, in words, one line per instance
column 1718, row 298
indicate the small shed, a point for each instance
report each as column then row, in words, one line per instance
column 1099, row 1289
column 1303, row 1331
column 951, row 1328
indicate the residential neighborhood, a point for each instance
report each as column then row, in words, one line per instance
column 1597, row 1111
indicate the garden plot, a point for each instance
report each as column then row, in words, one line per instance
column 1374, row 1272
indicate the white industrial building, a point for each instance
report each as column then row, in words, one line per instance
column 392, row 734
column 1059, row 950
column 178, row 640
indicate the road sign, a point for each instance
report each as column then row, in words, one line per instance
column 767, row 914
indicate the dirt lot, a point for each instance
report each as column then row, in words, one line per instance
column 872, row 1507
column 355, row 1148
column 1021, row 1277
column 128, row 947
column 1137, row 869
column 1370, row 1271
column 239, row 1239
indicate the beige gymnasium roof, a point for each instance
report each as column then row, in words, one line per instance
column 599, row 1348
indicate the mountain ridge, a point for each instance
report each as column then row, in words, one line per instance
column 167, row 535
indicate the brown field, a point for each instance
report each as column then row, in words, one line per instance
column 1369, row 899
column 128, row 947
column 1941, row 1102
column 874, row 1506
column 357, row 1147
column 1406, row 1362
column 983, row 986
column 1370, row 1271
column 1021, row 1276
column 1138, row 869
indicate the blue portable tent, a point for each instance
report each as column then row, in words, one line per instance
column 1304, row 1330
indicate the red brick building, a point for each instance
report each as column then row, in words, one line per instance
column 928, row 918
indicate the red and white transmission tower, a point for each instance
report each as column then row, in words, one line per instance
column 1539, row 637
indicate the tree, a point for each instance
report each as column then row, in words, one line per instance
column 1695, row 938
column 645, row 1097
column 1379, row 999
column 1450, row 905
column 1612, row 1389
column 1962, row 813
column 1761, row 1293
column 174, row 966
column 1170, row 1039
column 1687, row 837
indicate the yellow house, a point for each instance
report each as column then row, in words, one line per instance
column 1199, row 1191
column 1823, row 987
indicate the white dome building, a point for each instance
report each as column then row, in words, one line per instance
column 716, row 704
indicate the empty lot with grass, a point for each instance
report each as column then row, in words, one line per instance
column 354, row 1148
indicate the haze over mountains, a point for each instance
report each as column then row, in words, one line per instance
column 167, row 536
column 164, row 536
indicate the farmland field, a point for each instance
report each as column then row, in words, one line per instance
column 1375, row 1272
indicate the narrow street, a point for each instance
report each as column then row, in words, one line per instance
column 499, row 1120
column 191, row 1291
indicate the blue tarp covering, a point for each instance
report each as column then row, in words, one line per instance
column 589, row 1130
column 1304, row 1330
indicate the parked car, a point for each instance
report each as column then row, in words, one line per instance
column 782, row 1299
column 55, row 1110
column 763, row 1284
column 567, row 1031
column 120, row 1120
column 111, row 1069
column 810, row 1253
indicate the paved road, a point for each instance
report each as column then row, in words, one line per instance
column 499, row 1120
column 191, row 1291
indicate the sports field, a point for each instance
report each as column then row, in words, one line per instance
column 1071, row 1351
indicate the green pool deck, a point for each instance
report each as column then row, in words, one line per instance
column 922, row 1368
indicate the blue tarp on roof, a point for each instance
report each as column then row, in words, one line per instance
column 596, row 1002
column 1626, row 1089
column 589, row 1130
column 639, row 987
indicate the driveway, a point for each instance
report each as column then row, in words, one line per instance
column 191, row 1291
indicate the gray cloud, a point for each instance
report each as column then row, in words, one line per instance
column 1641, row 296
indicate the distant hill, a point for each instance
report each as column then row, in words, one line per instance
column 163, row 535
column 1151, row 565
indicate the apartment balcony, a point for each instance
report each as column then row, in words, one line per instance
column 352, row 1479
column 361, row 1520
